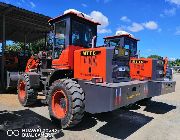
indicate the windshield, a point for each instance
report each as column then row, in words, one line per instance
column 131, row 45
column 125, row 43
column 82, row 34
column 112, row 42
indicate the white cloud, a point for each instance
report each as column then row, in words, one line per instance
column 177, row 31
column 168, row 12
column 121, row 28
column 99, row 17
column 103, row 31
column 84, row 5
column 102, row 19
column 177, row 2
column 125, row 19
column 32, row 4
column 135, row 27
column 151, row 25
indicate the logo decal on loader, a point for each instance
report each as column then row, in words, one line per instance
column 133, row 95
column 138, row 61
column 90, row 53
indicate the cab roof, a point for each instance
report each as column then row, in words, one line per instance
column 123, row 35
column 77, row 15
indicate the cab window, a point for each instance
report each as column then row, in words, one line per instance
column 77, row 34
column 59, row 40
column 131, row 45
column 60, row 33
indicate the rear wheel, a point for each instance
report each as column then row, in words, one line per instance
column 66, row 103
column 27, row 96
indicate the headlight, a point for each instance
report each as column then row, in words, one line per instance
column 126, row 53
column 160, row 72
column 122, row 69
column 160, row 62
column 116, row 51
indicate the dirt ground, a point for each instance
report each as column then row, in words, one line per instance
column 159, row 120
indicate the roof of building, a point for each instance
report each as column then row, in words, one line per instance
column 20, row 22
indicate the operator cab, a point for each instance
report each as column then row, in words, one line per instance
column 125, row 47
column 73, row 28
column 125, row 44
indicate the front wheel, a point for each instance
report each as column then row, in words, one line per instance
column 66, row 103
column 27, row 96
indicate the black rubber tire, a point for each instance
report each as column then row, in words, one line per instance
column 31, row 94
column 76, row 106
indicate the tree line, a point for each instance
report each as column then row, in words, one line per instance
column 171, row 63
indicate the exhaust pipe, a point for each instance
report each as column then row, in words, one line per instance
column 93, row 41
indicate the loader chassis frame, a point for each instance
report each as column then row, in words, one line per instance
column 104, row 97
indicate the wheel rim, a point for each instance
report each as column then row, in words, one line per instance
column 59, row 104
column 22, row 90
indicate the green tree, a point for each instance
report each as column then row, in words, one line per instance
column 13, row 47
column 37, row 46
column 155, row 56
column 34, row 47
column 175, row 63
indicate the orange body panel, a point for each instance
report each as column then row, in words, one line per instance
column 66, row 59
column 141, row 68
column 90, row 63
column 32, row 64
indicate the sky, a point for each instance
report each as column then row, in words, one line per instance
column 155, row 22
